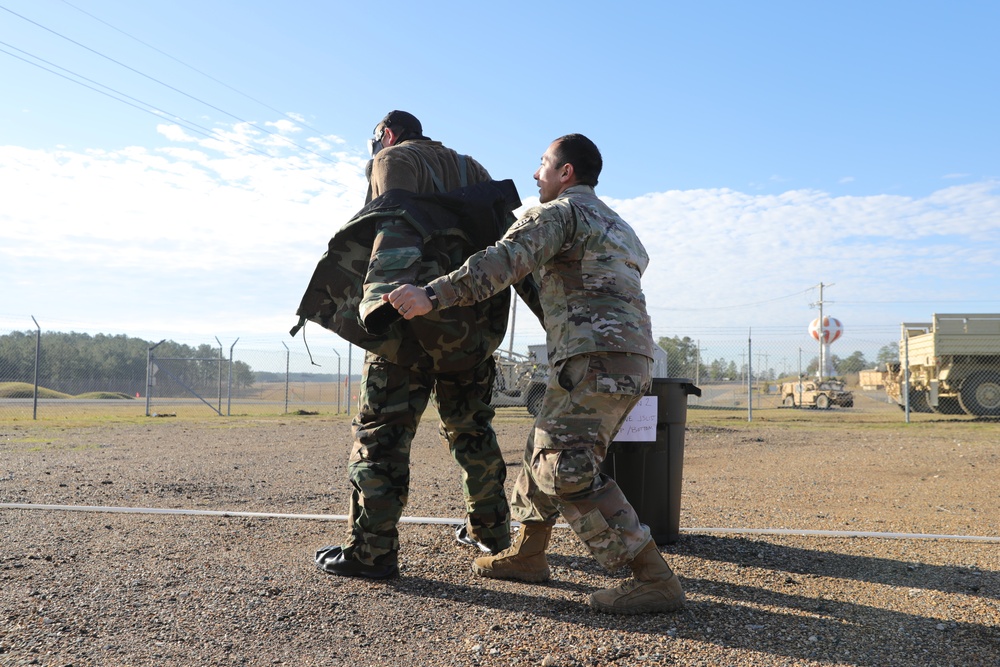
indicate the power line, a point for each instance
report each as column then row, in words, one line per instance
column 166, row 85
column 79, row 77
column 728, row 307
column 195, row 69
column 838, row 302
column 920, row 301
column 148, row 108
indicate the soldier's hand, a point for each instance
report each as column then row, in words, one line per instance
column 409, row 300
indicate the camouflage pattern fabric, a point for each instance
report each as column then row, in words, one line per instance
column 379, row 466
column 405, row 237
column 587, row 262
column 586, row 401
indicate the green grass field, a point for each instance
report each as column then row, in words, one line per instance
column 332, row 400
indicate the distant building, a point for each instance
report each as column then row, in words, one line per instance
column 872, row 380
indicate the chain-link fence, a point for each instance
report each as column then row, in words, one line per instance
column 953, row 362
column 47, row 374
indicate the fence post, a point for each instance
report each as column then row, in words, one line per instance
column 906, row 373
column 38, row 355
column 288, row 354
column 229, row 390
column 220, row 374
column 149, row 372
column 340, row 381
column 349, row 348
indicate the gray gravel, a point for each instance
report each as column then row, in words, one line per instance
column 89, row 588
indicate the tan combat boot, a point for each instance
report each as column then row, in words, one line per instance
column 524, row 560
column 653, row 588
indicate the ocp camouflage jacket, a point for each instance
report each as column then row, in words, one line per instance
column 587, row 262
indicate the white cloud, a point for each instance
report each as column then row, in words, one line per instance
column 284, row 126
column 713, row 251
column 180, row 235
column 174, row 133
column 207, row 236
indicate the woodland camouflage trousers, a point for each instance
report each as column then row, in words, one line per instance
column 393, row 399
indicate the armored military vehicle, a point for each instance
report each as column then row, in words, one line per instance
column 822, row 394
column 954, row 364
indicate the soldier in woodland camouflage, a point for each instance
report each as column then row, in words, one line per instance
column 403, row 236
column 587, row 262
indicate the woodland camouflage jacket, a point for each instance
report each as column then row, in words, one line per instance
column 406, row 238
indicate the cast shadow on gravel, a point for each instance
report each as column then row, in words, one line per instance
column 853, row 633
column 808, row 562
column 732, row 616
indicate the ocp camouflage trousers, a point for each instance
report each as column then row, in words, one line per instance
column 393, row 399
column 586, row 401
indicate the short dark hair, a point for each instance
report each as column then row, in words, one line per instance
column 582, row 153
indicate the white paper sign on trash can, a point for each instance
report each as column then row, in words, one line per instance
column 640, row 425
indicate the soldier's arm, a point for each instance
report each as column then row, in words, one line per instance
column 395, row 260
column 527, row 289
column 529, row 244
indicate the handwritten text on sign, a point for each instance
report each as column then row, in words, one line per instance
column 640, row 425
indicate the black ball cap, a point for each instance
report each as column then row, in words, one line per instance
column 402, row 119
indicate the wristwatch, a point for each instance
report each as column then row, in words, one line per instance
column 432, row 296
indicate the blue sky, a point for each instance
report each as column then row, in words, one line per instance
column 759, row 149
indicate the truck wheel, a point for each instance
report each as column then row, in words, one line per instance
column 918, row 401
column 980, row 394
column 789, row 402
column 823, row 402
column 948, row 405
column 534, row 399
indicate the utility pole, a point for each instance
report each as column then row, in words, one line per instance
column 749, row 375
column 821, row 366
column 513, row 321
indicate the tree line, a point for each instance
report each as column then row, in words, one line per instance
column 77, row 363
column 684, row 360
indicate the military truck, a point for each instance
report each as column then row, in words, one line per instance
column 954, row 364
column 821, row 394
column 520, row 379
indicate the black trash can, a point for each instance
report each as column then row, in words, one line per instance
column 649, row 473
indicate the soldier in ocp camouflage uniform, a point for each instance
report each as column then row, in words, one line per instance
column 410, row 237
column 587, row 262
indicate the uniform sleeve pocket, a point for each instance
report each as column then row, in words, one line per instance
column 394, row 260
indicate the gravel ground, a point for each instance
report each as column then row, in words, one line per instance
column 96, row 588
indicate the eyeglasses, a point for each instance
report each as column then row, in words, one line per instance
column 375, row 143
